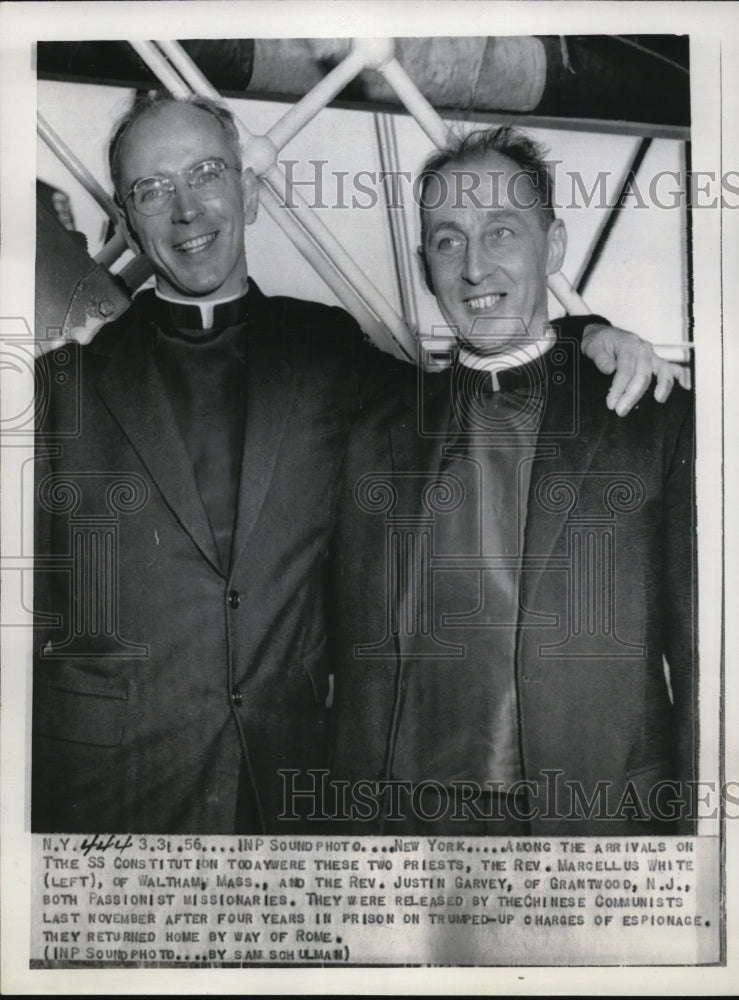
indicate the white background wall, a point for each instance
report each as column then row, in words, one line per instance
column 639, row 283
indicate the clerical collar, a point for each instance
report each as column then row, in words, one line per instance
column 214, row 315
column 513, row 368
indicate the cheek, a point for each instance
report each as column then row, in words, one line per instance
column 237, row 235
column 443, row 278
column 150, row 238
column 531, row 272
column 232, row 209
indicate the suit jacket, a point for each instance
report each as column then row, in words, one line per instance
column 156, row 672
column 607, row 589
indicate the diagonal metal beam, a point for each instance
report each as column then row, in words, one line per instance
column 601, row 237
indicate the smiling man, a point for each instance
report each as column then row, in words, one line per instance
column 191, row 231
column 181, row 654
column 187, row 477
column 487, row 253
column 521, row 658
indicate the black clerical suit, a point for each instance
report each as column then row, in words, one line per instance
column 512, row 568
column 186, row 486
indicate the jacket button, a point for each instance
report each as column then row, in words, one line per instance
column 237, row 698
column 234, row 599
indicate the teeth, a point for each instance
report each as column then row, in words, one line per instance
column 483, row 302
column 197, row 244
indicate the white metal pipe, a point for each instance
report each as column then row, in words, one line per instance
column 315, row 255
column 566, row 294
column 315, row 100
column 427, row 117
column 161, row 68
column 343, row 262
column 112, row 250
column 76, row 167
column 188, row 70
column 619, row 186
column 136, row 272
column 387, row 145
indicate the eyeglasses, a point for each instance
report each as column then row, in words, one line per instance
column 154, row 195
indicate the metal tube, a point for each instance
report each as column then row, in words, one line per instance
column 343, row 262
column 112, row 250
column 188, row 70
column 76, row 167
column 603, row 225
column 426, row 116
column 161, row 68
column 601, row 237
column 315, row 100
column 566, row 294
column 136, row 272
column 387, row 145
column 324, row 266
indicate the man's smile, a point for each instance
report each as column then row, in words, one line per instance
column 482, row 302
column 196, row 244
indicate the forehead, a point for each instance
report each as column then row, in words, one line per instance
column 479, row 189
column 170, row 138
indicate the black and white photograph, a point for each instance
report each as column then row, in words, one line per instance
column 366, row 477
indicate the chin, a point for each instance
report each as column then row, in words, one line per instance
column 195, row 287
column 498, row 344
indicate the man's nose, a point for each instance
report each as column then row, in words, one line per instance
column 476, row 263
column 185, row 205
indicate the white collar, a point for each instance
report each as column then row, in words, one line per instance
column 495, row 363
column 206, row 308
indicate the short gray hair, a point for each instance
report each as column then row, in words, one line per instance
column 527, row 154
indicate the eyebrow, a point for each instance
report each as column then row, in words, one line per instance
column 493, row 215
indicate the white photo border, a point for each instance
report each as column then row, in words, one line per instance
column 714, row 33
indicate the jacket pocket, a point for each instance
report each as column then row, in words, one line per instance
column 83, row 714
column 315, row 665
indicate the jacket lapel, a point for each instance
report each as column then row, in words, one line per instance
column 135, row 395
column 416, row 444
column 573, row 423
column 270, row 397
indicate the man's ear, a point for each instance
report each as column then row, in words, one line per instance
column 250, row 188
column 556, row 246
column 425, row 270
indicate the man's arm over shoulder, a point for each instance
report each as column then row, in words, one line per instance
column 375, row 372
column 633, row 362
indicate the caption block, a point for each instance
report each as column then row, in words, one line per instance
column 130, row 900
